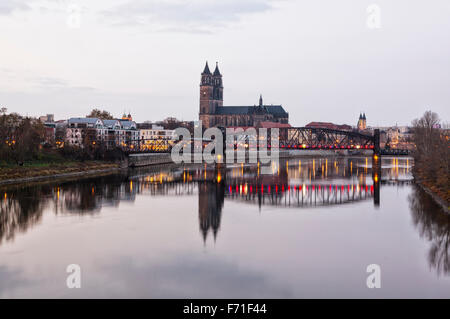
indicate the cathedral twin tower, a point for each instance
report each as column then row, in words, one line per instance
column 214, row 113
column 211, row 90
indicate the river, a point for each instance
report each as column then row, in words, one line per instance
column 308, row 229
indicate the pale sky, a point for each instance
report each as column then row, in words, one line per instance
column 318, row 58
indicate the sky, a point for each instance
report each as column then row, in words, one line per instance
column 323, row 60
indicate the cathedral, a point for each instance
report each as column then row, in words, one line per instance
column 213, row 113
column 362, row 123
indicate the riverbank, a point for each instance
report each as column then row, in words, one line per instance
column 435, row 195
column 43, row 171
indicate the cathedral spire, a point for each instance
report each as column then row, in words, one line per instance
column 216, row 71
column 206, row 70
column 260, row 100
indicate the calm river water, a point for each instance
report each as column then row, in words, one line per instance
column 308, row 229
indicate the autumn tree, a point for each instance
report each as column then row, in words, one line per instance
column 20, row 137
column 103, row 115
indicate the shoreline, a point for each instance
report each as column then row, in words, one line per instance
column 91, row 172
column 440, row 201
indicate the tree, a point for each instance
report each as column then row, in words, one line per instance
column 20, row 138
column 104, row 115
column 432, row 155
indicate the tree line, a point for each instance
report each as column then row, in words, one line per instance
column 432, row 155
column 20, row 137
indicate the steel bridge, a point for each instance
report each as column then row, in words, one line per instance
column 288, row 138
column 324, row 138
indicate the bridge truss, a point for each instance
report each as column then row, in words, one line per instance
column 289, row 138
column 323, row 138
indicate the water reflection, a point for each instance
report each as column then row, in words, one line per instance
column 306, row 182
column 271, row 235
column 434, row 225
column 210, row 203
column 299, row 183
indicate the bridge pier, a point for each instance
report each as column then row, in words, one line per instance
column 376, row 176
column 376, row 142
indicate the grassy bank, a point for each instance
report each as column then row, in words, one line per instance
column 49, row 164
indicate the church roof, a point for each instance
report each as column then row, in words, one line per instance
column 206, row 70
column 230, row 110
column 216, row 71
column 268, row 124
column 276, row 109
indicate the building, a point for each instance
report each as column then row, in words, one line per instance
column 111, row 133
column 79, row 129
column 156, row 132
column 362, row 124
column 156, row 138
column 214, row 113
column 49, row 118
column 328, row 125
column 396, row 137
column 127, row 117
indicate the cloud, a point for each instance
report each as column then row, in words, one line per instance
column 18, row 79
column 185, row 276
column 51, row 83
column 198, row 16
column 7, row 7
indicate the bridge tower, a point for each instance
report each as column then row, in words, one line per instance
column 376, row 178
column 376, row 142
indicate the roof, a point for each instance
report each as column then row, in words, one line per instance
column 276, row 109
column 206, row 70
column 84, row 120
column 216, row 71
column 328, row 125
column 230, row 110
column 128, row 124
column 274, row 125
column 110, row 123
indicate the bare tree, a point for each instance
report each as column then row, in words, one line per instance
column 432, row 155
